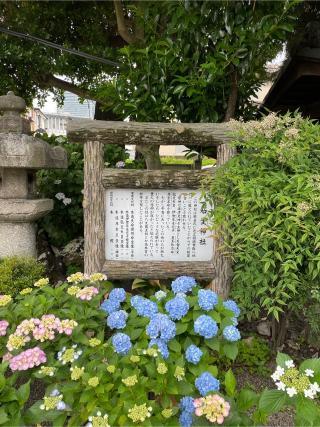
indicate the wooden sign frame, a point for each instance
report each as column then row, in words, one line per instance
column 94, row 134
column 155, row 179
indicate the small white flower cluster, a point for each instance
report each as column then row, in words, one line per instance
column 69, row 355
column 98, row 420
column 65, row 200
column 54, row 401
column 292, row 381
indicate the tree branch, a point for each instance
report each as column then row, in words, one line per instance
column 121, row 23
column 48, row 81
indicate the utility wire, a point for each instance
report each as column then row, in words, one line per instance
column 57, row 46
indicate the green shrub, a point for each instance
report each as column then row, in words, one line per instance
column 65, row 187
column 253, row 356
column 17, row 273
column 267, row 204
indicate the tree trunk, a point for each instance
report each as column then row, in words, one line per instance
column 151, row 155
column 279, row 331
column 222, row 257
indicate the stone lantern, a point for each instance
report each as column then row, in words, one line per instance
column 21, row 155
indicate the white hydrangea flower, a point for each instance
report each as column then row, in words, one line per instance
column 277, row 374
column 60, row 196
column 291, row 391
column 309, row 372
column 57, row 181
column 315, row 387
column 289, row 363
column 66, row 201
column 281, row 386
column 309, row 393
column 121, row 164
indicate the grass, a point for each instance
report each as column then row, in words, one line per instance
column 170, row 160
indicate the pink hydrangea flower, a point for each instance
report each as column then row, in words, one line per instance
column 45, row 328
column 214, row 407
column 28, row 359
column 7, row 357
column 87, row 293
column 67, row 326
column 3, row 327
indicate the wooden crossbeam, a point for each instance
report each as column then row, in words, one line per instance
column 136, row 178
column 133, row 133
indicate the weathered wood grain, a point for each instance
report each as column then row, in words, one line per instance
column 198, row 134
column 93, row 207
column 122, row 270
column 133, row 178
column 222, row 257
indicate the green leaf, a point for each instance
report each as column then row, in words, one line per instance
column 272, row 401
column 3, row 416
column 307, row 410
column 139, row 283
column 213, row 343
column 181, row 328
column 136, row 333
column 230, row 350
column 23, row 393
column 2, row 382
column 313, row 364
column 230, row 383
column 246, row 399
column 281, row 359
column 174, row 346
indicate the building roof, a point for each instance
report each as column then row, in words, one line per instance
column 297, row 86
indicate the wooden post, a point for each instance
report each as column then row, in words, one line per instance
column 93, row 207
column 221, row 258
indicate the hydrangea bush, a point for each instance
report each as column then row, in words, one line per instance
column 106, row 357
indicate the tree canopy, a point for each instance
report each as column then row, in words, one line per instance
column 190, row 60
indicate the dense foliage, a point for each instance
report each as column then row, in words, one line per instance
column 192, row 55
column 16, row 273
column 267, row 200
column 65, row 187
column 179, row 58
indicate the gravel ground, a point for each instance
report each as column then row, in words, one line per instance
column 283, row 418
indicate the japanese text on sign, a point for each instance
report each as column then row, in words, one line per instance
column 156, row 225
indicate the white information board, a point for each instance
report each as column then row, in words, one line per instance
column 156, row 225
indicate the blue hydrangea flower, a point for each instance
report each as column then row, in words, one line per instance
column 177, row 307
column 109, row 305
column 234, row 321
column 144, row 307
column 186, row 404
column 121, row 343
column 207, row 299
column 231, row 333
column 117, row 319
column 232, row 305
column 206, row 383
column 160, row 326
column 185, row 419
column 160, row 295
column 183, row 284
column 205, row 326
column 193, row 354
column 162, row 346
column 117, row 294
